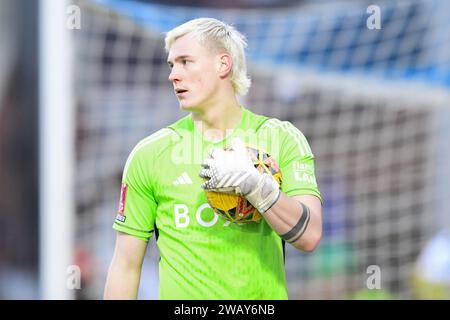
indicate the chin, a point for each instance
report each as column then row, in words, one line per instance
column 187, row 106
column 184, row 106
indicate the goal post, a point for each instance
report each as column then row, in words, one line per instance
column 56, row 147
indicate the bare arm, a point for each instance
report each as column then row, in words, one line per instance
column 289, row 218
column 125, row 270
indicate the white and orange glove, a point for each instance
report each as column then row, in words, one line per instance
column 232, row 171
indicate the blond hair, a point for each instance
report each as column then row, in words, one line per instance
column 218, row 35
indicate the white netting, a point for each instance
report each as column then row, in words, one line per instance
column 379, row 133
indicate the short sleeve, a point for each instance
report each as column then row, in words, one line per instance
column 137, row 205
column 296, row 163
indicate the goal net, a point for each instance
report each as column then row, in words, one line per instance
column 373, row 103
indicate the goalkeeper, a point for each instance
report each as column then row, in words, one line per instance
column 203, row 256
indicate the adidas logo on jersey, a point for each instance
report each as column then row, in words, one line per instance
column 183, row 179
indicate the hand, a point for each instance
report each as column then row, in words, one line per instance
column 232, row 171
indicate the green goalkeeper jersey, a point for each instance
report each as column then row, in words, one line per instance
column 203, row 256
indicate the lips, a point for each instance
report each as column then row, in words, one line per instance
column 179, row 91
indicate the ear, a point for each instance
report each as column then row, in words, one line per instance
column 225, row 64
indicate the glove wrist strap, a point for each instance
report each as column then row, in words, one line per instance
column 265, row 194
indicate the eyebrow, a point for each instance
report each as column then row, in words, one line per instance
column 169, row 62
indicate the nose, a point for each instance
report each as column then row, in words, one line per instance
column 174, row 75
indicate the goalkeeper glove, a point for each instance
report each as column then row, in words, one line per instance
column 232, row 171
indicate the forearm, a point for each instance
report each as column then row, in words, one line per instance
column 296, row 222
column 122, row 282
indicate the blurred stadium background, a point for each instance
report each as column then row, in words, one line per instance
column 373, row 103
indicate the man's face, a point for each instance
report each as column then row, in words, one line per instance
column 194, row 72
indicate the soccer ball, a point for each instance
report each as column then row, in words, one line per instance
column 236, row 208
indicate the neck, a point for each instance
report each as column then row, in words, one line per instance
column 216, row 121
